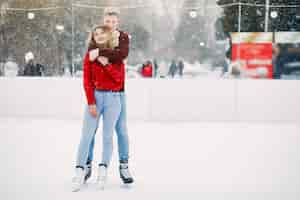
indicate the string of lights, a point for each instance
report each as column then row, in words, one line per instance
column 33, row 9
column 148, row 5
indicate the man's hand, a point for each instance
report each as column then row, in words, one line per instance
column 103, row 60
column 93, row 54
column 93, row 110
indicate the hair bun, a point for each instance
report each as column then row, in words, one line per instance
column 111, row 10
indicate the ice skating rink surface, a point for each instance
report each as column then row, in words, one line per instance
column 233, row 161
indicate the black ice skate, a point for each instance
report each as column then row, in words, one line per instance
column 125, row 174
column 88, row 171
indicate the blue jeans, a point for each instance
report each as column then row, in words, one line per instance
column 122, row 136
column 109, row 106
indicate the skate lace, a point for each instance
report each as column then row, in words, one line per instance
column 125, row 172
column 102, row 173
column 79, row 175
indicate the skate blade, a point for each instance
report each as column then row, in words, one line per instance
column 127, row 185
column 101, row 185
column 77, row 189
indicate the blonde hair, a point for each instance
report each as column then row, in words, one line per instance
column 91, row 43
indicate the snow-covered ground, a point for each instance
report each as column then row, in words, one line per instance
column 231, row 161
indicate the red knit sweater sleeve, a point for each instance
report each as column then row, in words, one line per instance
column 119, row 53
column 87, row 81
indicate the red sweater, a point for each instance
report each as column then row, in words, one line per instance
column 109, row 77
column 97, row 76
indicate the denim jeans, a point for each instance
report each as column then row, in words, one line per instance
column 122, row 136
column 109, row 106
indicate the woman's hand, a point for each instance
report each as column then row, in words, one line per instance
column 93, row 110
column 93, row 54
column 103, row 60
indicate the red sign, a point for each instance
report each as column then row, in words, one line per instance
column 255, row 56
column 255, row 50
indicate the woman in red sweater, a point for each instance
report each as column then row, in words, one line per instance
column 102, row 83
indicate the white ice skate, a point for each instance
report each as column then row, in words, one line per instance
column 102, row 177
column 78, row 180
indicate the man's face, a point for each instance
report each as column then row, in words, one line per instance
column 111, row 21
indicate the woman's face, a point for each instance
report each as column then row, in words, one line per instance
column 100, row 36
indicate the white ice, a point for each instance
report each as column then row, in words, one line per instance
column 168, row 160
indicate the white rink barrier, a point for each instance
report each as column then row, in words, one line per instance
column 158, row 100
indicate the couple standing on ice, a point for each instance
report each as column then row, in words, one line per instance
column 104, row 84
